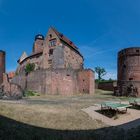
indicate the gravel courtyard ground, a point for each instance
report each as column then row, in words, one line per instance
column 58, row 117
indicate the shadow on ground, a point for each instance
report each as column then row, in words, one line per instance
column 13, row 130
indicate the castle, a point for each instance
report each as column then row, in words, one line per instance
column 58, row 67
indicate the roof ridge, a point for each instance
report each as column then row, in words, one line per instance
column 64, row 38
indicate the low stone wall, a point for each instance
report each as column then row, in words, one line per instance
column 109, row 86
column 58, row 81
column 10, row 90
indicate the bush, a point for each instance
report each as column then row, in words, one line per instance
column 29, row 68
column 30, row 93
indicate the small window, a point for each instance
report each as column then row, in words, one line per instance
column 83, row 80
column 137, row 51
column 50, row 52
column 124, row 66
column 50, row 35
column 50, row 61
column 52, row 43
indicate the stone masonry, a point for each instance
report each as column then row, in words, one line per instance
column 58, row 67
column 2, row 65
column 129, row 71
column 10, row 90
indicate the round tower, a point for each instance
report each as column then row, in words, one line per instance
column 38, row 43
column 129, row 71
column 2, row 65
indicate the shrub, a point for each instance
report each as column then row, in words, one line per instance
column 30, row 93
column 29, row 68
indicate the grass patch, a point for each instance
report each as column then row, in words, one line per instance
column 30, row 93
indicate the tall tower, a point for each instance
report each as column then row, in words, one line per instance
column 2, row 65
column 129, row 70
column 38, row 44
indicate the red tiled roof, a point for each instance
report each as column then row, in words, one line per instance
column 11, row 75
column 64, row 38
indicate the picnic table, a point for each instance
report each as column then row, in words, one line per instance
column 119, row 107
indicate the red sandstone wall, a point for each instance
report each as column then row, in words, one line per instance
column 129, row 64
column 109, row 86
column 129, row 69
column 72, row 59
column 60, row 81
column 86, row 81
column 2, row 65
column 63, row 82
column 10, row 89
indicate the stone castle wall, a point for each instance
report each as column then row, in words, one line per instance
column 10, row 90
column 59, row 81
column 129, row 69
column 2, row 65
column 109, row 86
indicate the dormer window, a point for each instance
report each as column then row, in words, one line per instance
column 52, row 43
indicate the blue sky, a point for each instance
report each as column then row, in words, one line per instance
column 100, row 28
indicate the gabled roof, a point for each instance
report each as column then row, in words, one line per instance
column 31, row 56
column 23, row 56
column 66, row 40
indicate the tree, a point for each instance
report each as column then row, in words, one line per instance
column 29, row 68
column 100, row 72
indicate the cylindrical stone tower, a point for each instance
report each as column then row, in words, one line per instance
column 129, row 71
column 2, row 65
column 38, row 44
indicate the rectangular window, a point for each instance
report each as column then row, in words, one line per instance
column 50, row 62
column 50, row 52
column 52, row 43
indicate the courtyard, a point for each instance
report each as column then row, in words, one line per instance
column 62, row 117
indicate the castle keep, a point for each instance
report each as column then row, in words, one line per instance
column 58, row 67
column 129, row 71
